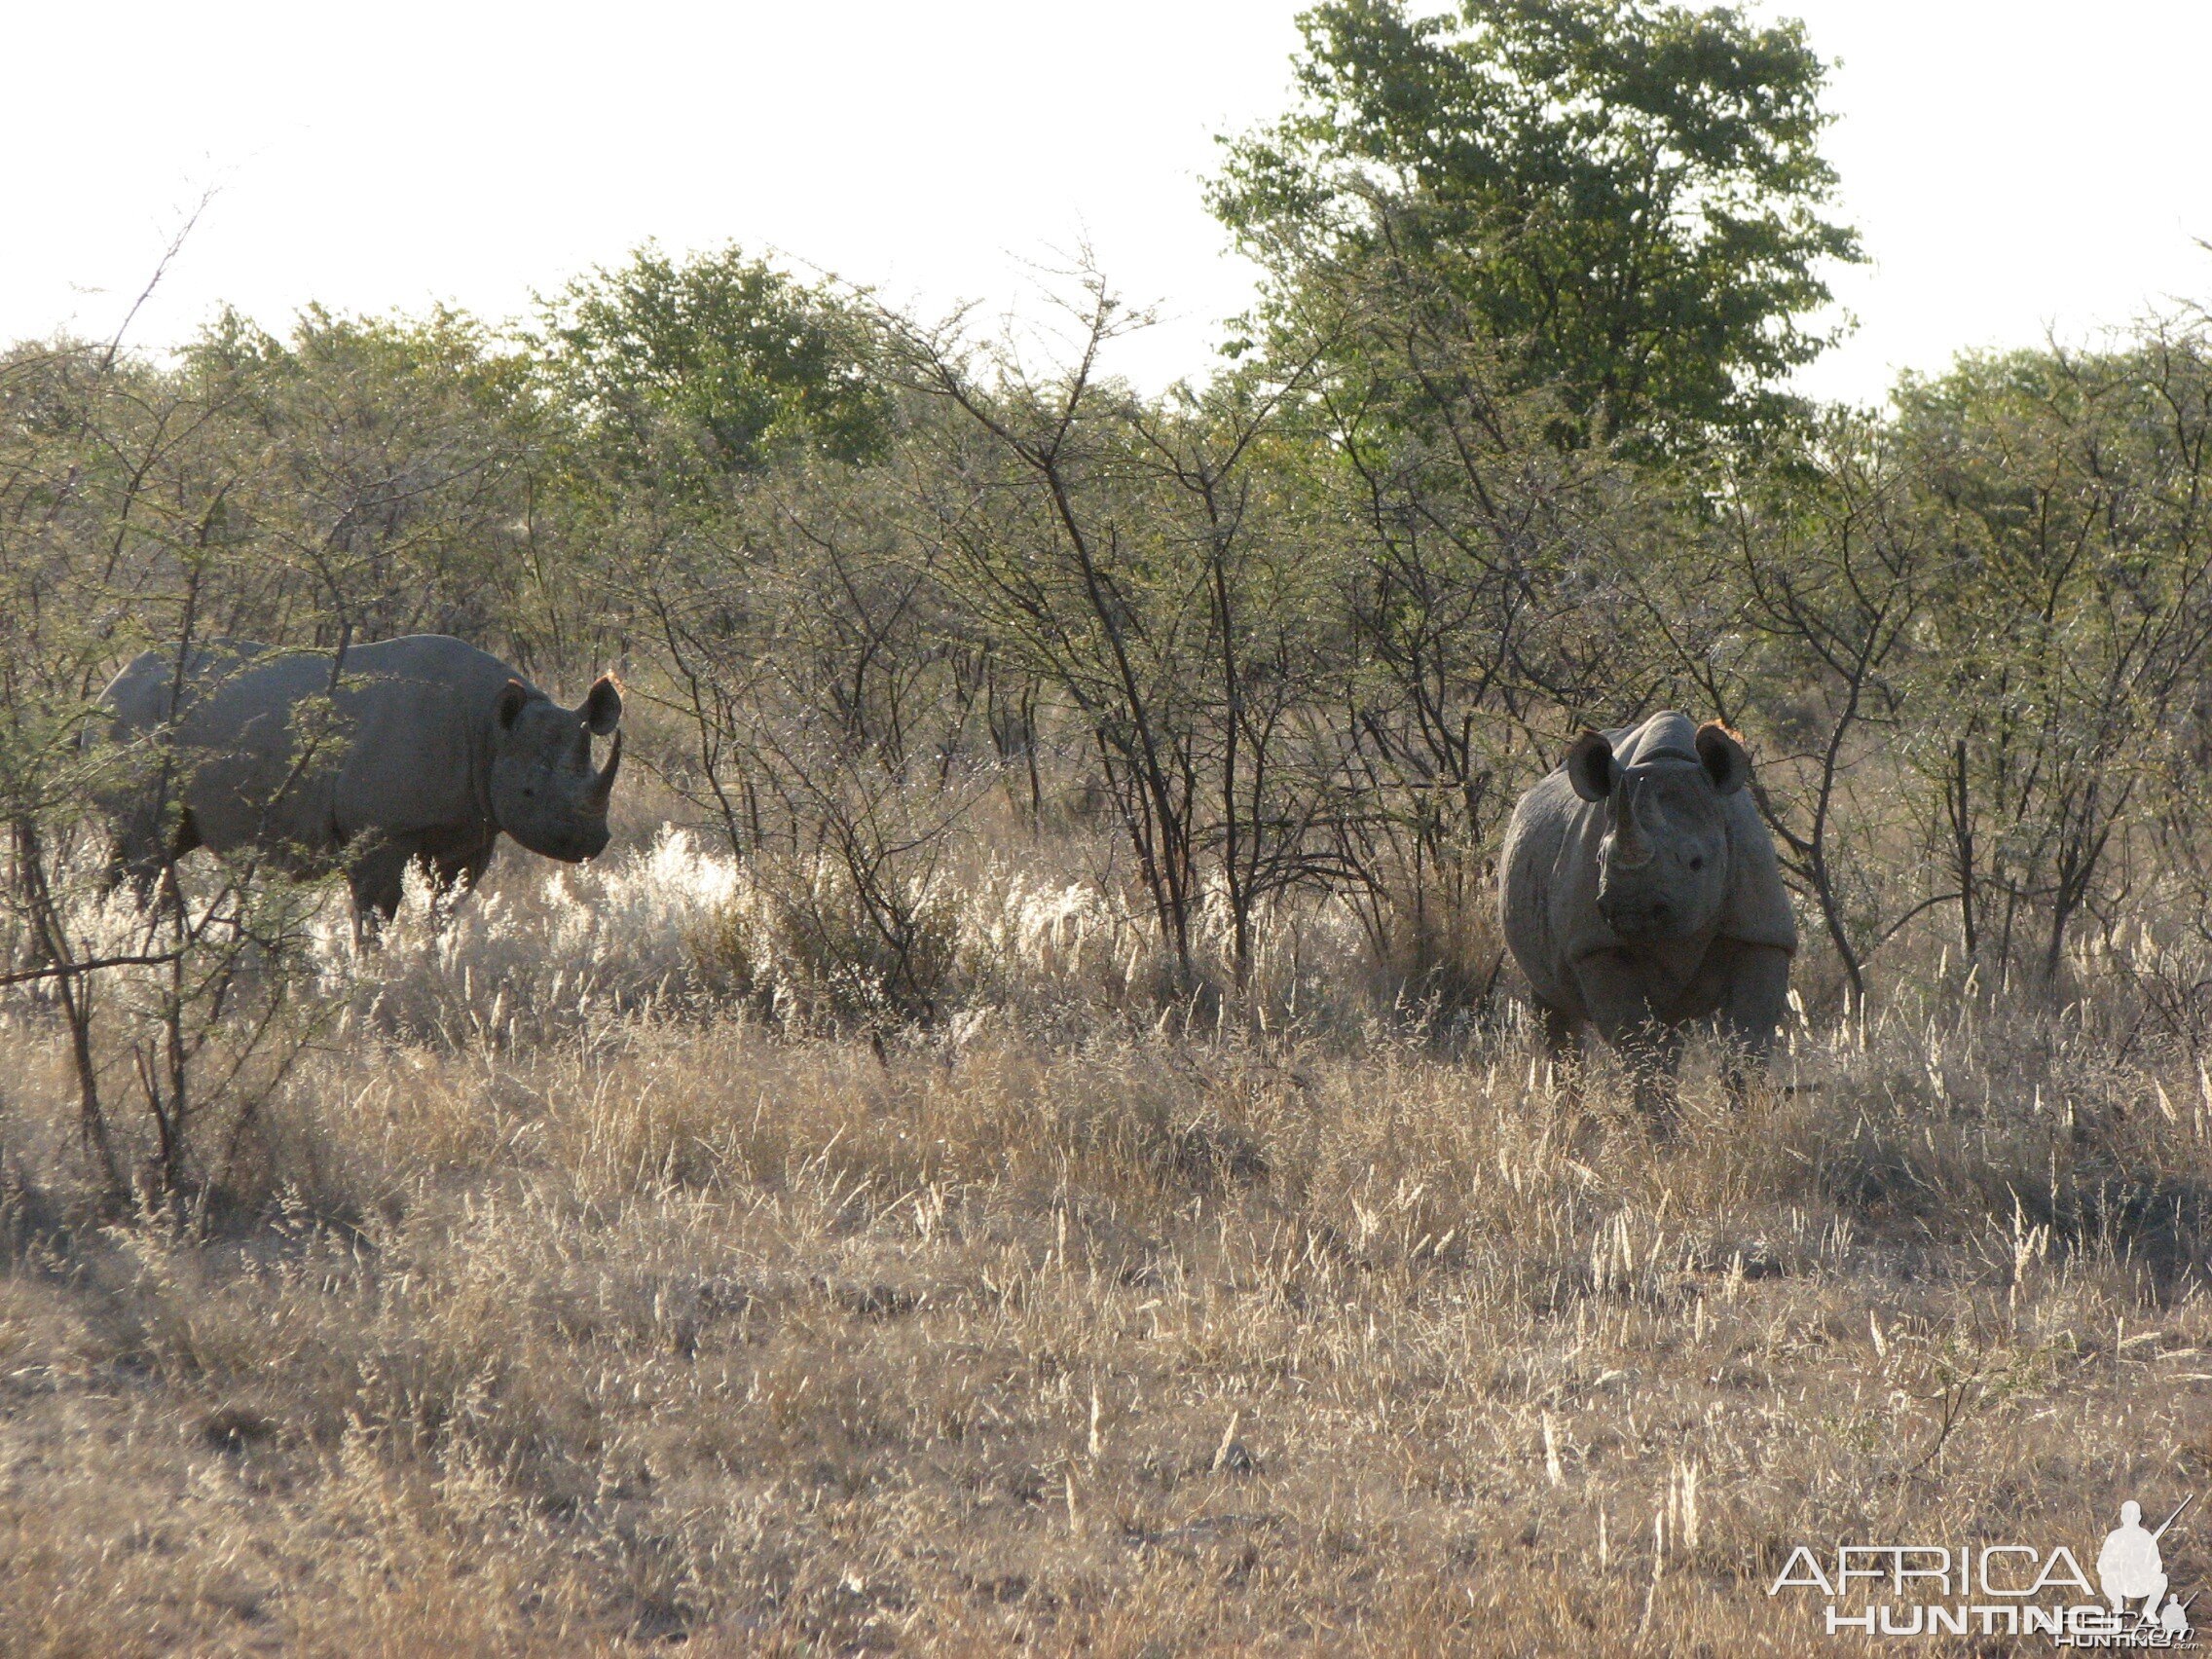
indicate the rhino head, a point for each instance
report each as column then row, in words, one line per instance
column 545, row 792
column 1663, row 862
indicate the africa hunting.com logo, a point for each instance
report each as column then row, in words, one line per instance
column 1909, row 1590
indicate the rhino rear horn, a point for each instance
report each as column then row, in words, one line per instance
column 602, row 705
column 1590, row 765
column 1726, row 762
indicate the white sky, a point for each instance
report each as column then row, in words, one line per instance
column 2013, row 167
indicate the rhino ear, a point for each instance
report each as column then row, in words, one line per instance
column 1726, row 762
column 602, row 705
column 512, row 696
column 1590, row 765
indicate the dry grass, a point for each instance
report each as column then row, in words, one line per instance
column 581, row 1317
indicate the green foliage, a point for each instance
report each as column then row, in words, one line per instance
column 383, row 471
column 704, row 368
column 1624, row 198
column 125, row 519
column 2069, row 645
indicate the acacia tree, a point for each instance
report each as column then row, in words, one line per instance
column 2069, row 644
column 114, row 481
column 1477, row 596
column 1624, row 200
column 1139, row 562
column 386, row 474
column 1537, row 254
column 727, row 449
column 694, row 400
column 1274, row 787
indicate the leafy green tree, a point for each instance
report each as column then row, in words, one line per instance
column 2065, row 663
column 383, row 471
column 1627, row 197
column 702, row 368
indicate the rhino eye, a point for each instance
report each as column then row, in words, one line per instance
column 1698, row 862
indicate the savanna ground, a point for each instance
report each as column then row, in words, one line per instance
column 592, row 1310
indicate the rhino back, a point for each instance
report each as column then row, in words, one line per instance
column 142, row 696
column 1666, row 731
column 403, row 750
column 249, row 783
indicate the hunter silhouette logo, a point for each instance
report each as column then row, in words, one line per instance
column 2018, row 1590
column 2130, row 1569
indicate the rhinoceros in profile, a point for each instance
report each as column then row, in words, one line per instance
column 1642, row 893
column 422, row 748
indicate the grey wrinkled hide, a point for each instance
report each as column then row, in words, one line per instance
column 427, row 748
column 1655, row 904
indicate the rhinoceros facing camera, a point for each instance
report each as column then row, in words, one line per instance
column 1642, row 893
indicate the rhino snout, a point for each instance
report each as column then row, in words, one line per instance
column 1638, row 918
column 574, row 845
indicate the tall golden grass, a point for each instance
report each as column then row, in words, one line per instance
column 577, row 1300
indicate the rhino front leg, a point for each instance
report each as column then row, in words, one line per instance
column 378, row 877
column 456, row 872
column 473, row 872
column 1753, row 1009
column 1616, row 993
column 1756, row 1000
column 1563, row 1034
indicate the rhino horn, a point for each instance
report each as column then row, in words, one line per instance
column 603, row 785
column 1632, row 843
